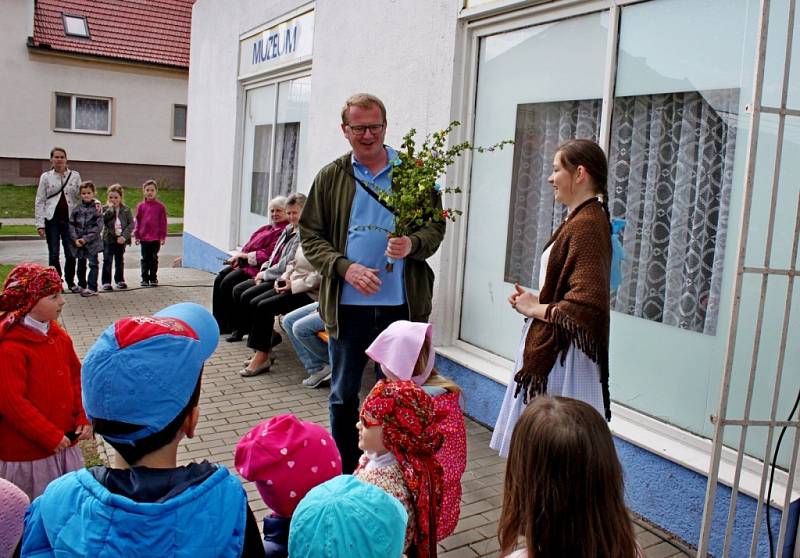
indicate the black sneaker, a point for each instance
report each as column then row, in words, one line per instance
column 144, row 284
column 235, row 337
column 154, row 283
column 108, row 287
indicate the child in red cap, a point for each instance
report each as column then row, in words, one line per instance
column 286, row 458
column 40, row 402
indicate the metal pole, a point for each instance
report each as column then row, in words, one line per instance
column 719, row 427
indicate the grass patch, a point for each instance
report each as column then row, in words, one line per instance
column 18, row 230
column 21, row 230
column 5, row 269
column 17, row 201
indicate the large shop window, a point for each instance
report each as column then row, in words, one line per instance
column 675, row 150
column 276, row 128
column 670, row 170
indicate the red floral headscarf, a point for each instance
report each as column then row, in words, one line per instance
column 406, row 413
column 26, row 285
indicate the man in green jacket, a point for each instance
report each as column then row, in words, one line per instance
column 343, row 234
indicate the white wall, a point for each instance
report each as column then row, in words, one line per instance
column 142, row 101
column 401, row 51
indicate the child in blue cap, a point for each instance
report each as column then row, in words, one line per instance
column 141, row 386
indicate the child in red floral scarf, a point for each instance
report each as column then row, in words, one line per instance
column 41, row 414
column 397, row 434
column 405, row 352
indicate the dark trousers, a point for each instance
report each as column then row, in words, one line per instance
column 91, row 283
column 113, row 252
column 243, row 308
column 222, row 296
column 358, row 328
column 267, row 306
column 149, row 260
column 56, row 232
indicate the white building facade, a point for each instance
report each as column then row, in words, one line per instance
column 120, row 118
column 664, row 86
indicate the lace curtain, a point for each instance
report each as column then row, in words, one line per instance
column 670, row 173
column 287, row 138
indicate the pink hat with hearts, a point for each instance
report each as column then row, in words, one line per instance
column 286, row 458
column 397, row 349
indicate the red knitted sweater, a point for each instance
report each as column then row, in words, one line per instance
column 40, row 392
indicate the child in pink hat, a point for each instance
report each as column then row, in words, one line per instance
column 286, row 458
column 405, row 352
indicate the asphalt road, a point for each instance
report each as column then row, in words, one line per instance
column 18, row 251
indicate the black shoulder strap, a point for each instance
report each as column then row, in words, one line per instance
column 373, row 194
column 63, row 185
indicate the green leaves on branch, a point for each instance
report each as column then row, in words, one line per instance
column 415, row 172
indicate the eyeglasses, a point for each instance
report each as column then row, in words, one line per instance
column 368, row 420
column 360, row 130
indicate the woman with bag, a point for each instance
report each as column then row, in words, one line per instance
column 57, row 195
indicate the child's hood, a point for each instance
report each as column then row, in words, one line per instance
column 78, row 512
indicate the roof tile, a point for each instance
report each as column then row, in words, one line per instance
column 149, row 31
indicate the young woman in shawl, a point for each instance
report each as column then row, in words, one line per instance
column 564, row 346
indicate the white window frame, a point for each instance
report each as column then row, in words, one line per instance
column 185, row 124
column 64, row 18
column 672, row 443
column 73, row 102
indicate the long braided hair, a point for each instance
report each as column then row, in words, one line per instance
column 589, row 155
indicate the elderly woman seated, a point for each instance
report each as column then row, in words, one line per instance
column 244, row 264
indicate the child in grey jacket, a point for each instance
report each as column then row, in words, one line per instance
column 85, row 227
column 118, row 221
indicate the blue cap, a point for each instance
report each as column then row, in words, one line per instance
column 143, row 369
column 347, row 517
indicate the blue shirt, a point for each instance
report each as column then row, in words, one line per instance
column 370, row 223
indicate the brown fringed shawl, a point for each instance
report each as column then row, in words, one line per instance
column 576, row 290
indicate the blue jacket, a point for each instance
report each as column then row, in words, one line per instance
column 78, row 516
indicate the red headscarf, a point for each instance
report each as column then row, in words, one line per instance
column 26, row 285
column 406, row 413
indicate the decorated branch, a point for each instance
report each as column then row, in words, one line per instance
column 415, row 190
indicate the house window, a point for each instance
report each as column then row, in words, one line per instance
column 77, row 113
column 179, row 122
column 76, row 26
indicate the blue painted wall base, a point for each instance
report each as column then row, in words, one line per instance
column 659, row 490
column 199, row 254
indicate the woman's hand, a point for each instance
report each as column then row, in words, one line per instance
column 120, row 240
column 526, row 303
column 258, row 279
column 283, row 286
column 62, row 445
column 84, row 431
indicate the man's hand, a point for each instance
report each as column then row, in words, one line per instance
column 41, row 232
column 84, row 431
column 364, row 279
column 163, row 241
column 79, row 242
column 398, row 248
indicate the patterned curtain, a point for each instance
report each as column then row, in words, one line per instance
column 287, row 138
column 533, row 214
column 670, row 173
column 91, row 114
column 259, row 189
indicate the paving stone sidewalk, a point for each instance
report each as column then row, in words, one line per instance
column 230, row 405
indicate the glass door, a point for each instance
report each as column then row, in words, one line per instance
column 275, row 144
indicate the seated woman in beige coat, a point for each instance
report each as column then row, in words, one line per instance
column 296, row 287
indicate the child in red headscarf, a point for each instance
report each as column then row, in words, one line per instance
column 405, row 352
column 397, row 433
column 41, row 414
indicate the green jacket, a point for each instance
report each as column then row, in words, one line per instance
column 323, row 235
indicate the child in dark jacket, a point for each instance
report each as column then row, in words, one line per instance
column 286, row 458
column 118, row 222
column 85, row 228
column 141, row 386
column 150, row 230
